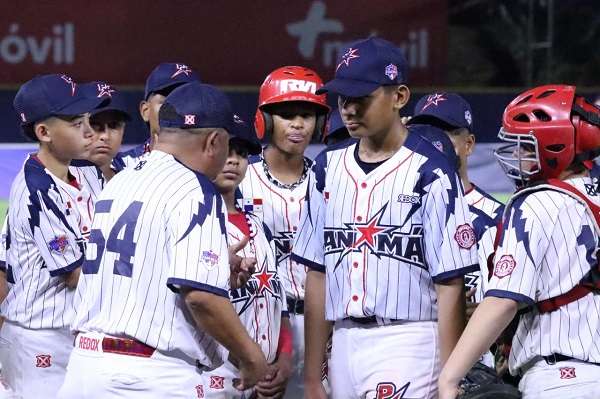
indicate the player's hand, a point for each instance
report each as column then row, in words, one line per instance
column 275, row 382
column 252, row 369
column 241, row 268
column 314, row 390
column 471, row 305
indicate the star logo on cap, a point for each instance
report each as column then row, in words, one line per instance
column 181, row 69
column 433, row 99
column 189, row 120
column 23, row 118
column 105, row 90
column 69, row 81
column 348, row 56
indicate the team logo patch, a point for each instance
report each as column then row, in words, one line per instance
column 200, row 391
column 69, row 81
column 189, row 120
column 438, row 144
column 210, row 259
column 391, row 71
column 433, row 99
column 388, row 390
column 23, row 118
column 505, row 266
column 468, row 117
column 253, row 205
column 58, row 244
column 566, row 373
column 43, row 361
column 181, row 69
column 465, row 236
column 347, row 57
column 104, row 90
column 217, row 382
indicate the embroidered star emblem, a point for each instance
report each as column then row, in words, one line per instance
column 181, row 69
column 433, row 99
column 263, row 277
column 105, row 90
column 348, row 56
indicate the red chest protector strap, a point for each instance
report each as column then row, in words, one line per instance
column 582, row 288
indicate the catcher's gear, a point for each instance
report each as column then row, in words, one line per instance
column 482, row 382
column 289, row 83
column 553, row 123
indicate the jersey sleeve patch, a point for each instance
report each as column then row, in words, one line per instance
column 465, row 236
column 504, row 266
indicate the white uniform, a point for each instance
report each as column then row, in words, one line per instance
column 132, row 157
column 549, row 243
column 48, row 222
column 279, row 207
column 260, row 303
column 90, row 175
column 383, row 239
column 158, row 226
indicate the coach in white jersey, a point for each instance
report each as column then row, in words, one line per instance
column 260, row 303
column 289, row 115
column 546, row 263
column 163, row 79
column 155, row 305
column 48, row 221
column 386, row 235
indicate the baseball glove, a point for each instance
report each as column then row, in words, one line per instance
column 482, row 382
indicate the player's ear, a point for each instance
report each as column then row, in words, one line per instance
column 42, row 131
column 214, row 140
column 470, row 143
column 145, row 110
column 401, row 96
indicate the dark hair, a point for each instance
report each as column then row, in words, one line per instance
column 28, row 131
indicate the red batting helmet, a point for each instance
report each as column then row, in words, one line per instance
column 289, row 83
column 558, row 126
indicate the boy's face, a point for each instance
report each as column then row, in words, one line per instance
column 372, row 114
column 67, row 137
column 149, row 111
column 293, row 126
column 108, row 128
column 234, row 170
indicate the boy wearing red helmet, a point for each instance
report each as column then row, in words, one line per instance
column 289, row 114
column 545, row 265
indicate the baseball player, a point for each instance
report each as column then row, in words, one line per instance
column 336, row 130
column 545, row 264
column 452, row 113
column 289, row 114
column 387, row 238
column 162, row 80
column 261, row 303
column 155, row 305
column 49, row 220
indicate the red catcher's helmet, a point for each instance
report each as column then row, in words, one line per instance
column 289, row 83
column 554, row 125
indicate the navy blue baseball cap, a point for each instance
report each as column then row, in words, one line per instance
column 335, row 127
column 365, row 65
column 51, row 95
column 451, row 109
column 115, row 100
column 196, row 105
column 168, row 75
column 438, row 138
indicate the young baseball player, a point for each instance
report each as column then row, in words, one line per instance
column 545, row 264
column 289, row 114
column 261, row 303
column 155, row 305
column 387, row 238
column 48, row 222
column 162, row 80
column 452, row 113
column 336, row 130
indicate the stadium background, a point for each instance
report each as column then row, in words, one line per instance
column 486, row 50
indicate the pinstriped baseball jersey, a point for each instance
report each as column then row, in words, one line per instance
column 158, row 226
column 384, row 237
column 261, row 302
column 132, row 157
column 279, row 207
column 90, row 175
column 549, row 243
column 49, row 221
column 486, row 213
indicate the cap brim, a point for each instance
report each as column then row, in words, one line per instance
column 349, row 87
column 169, row 85
column 98, row 110
column 80, row 106
column 431, row 119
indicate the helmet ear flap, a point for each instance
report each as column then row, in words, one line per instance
column 263, row 124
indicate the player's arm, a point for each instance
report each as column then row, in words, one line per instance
column 308, row 250
column 72, row 278
column 215, row 315
column 278, row 373
column 451, row 314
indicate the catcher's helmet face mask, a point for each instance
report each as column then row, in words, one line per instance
column 547, row 128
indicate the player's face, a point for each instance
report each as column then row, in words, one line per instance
column 373, row 114
column 67, row 137
column 217, row 152
column 293, row 126
column 234, row 170
column 149, row 111
column 463, row 142
column 526, row 151
column 108, row 128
